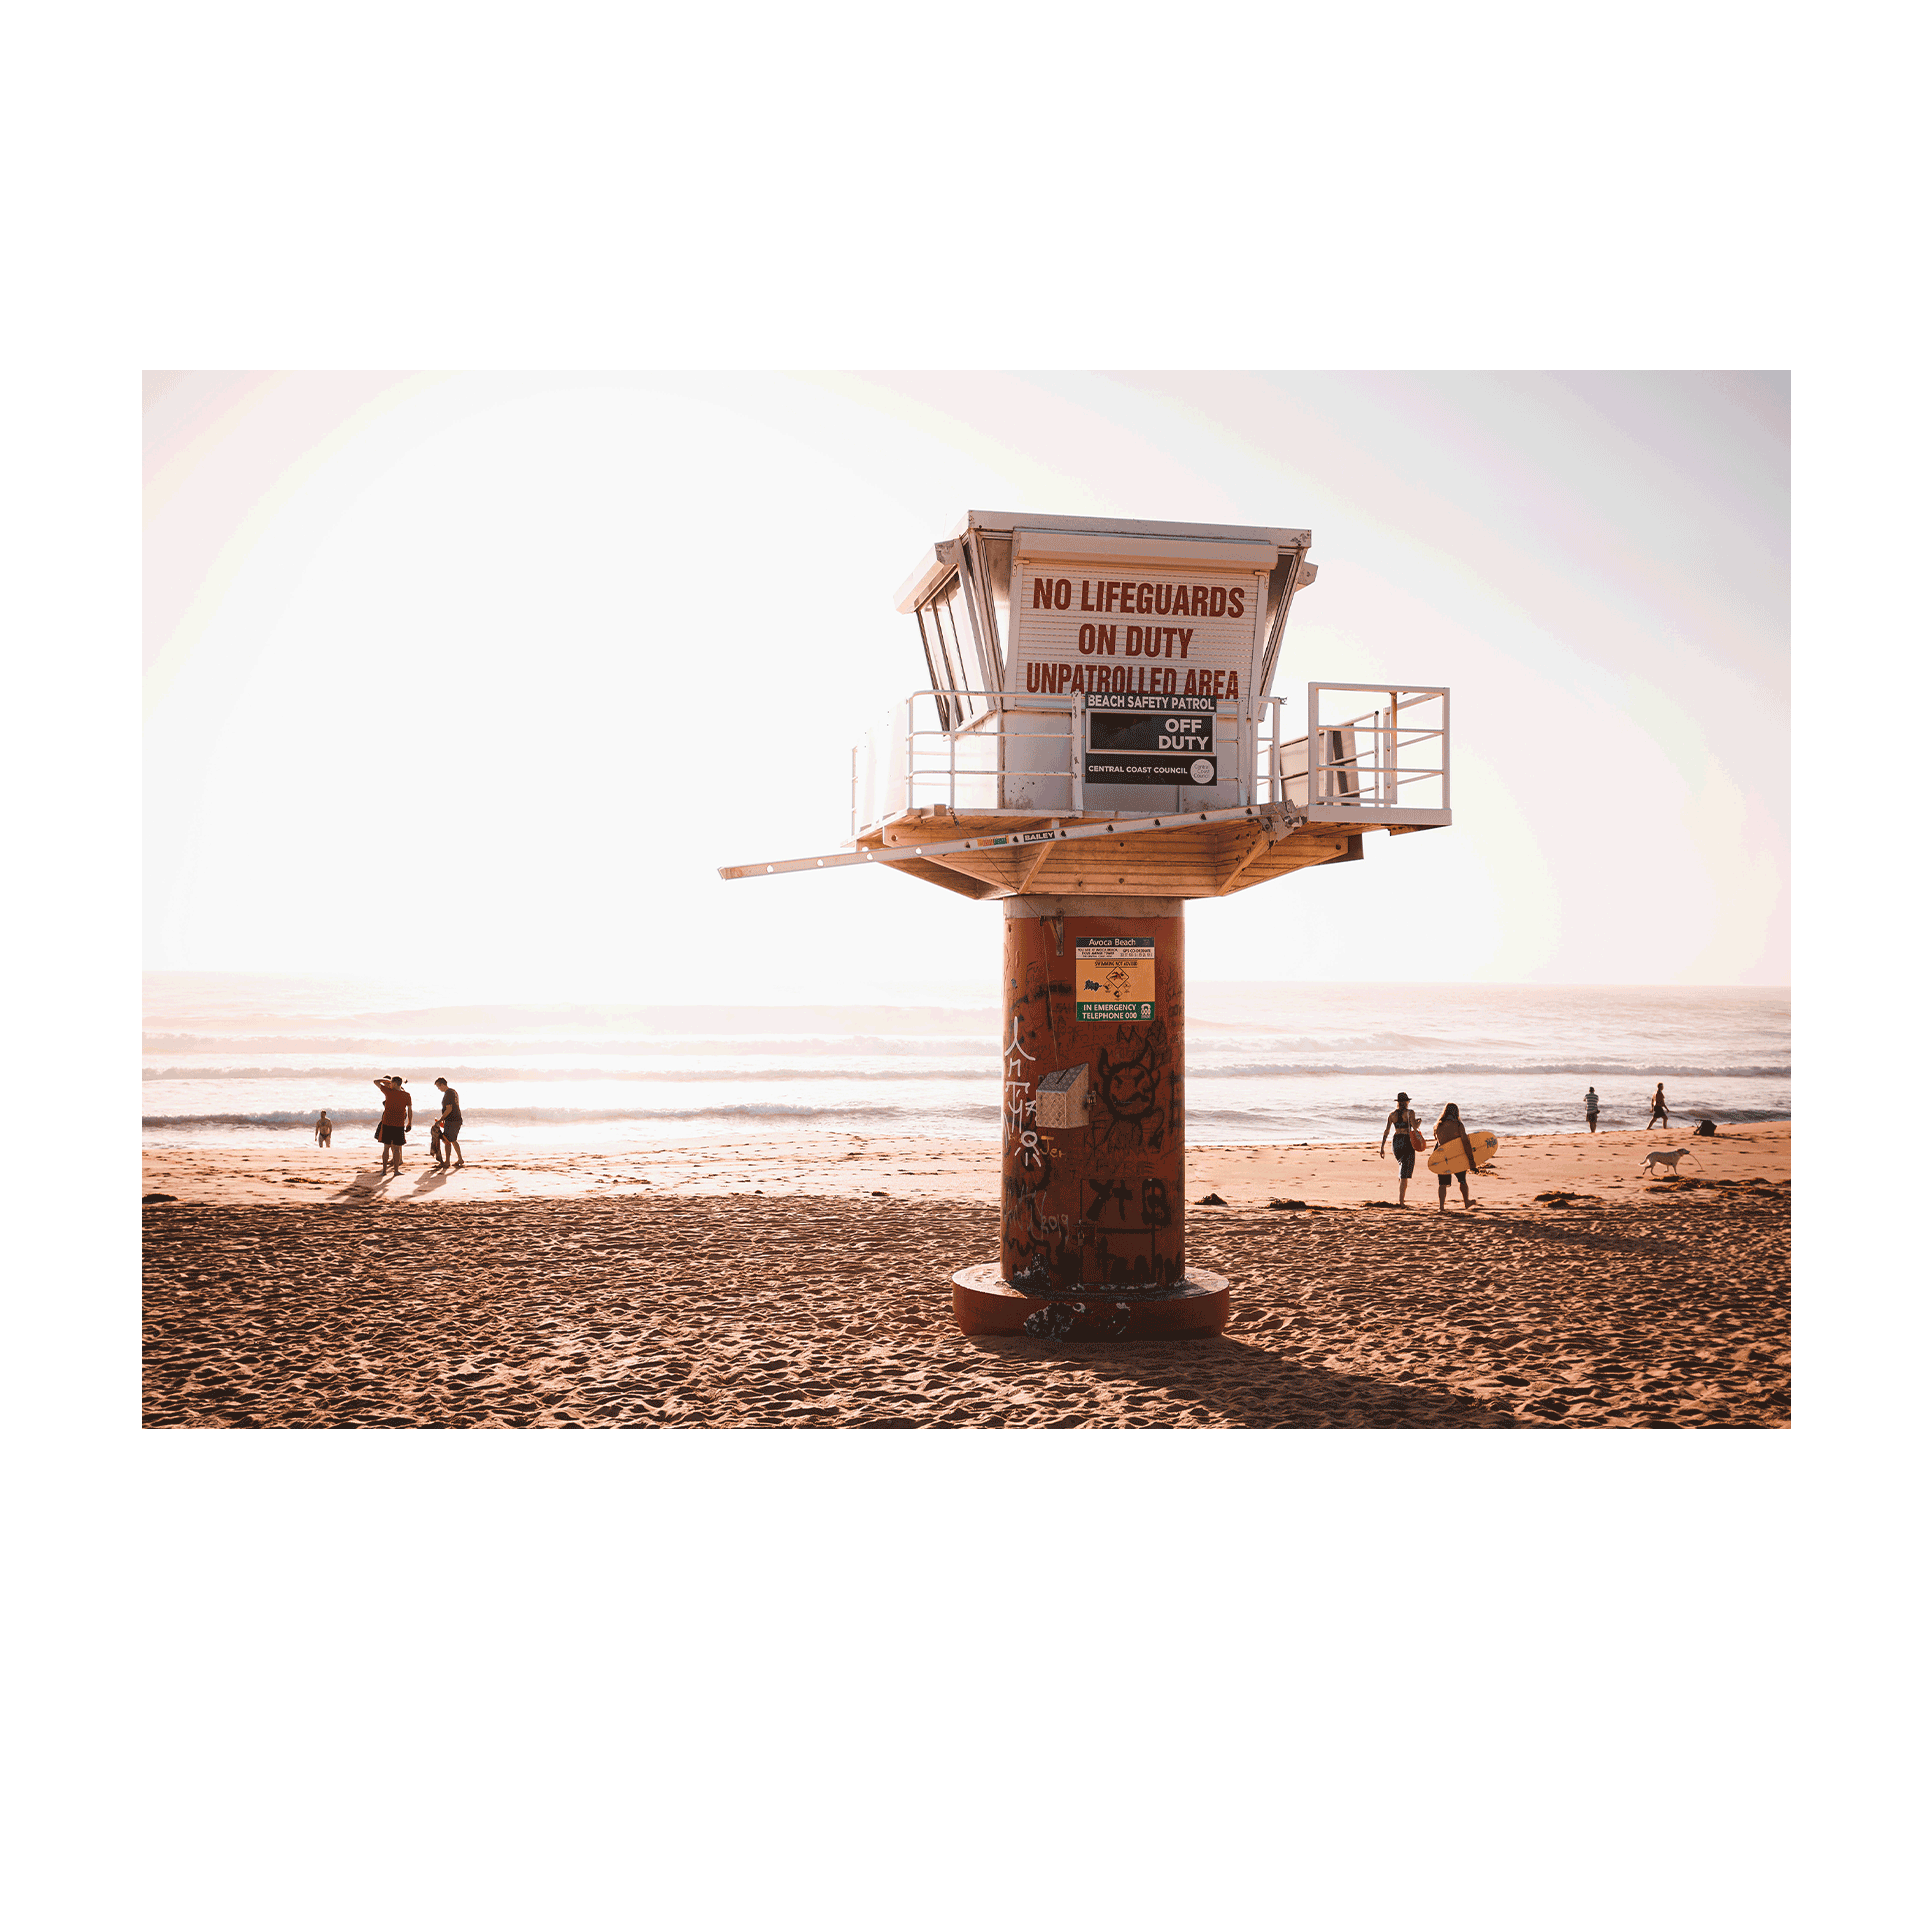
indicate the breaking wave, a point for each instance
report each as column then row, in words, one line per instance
column 1208, row 1070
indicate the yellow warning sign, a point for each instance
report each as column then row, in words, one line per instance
column 1113, row 979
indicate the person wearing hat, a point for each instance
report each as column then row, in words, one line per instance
column 396, row 1116
column 1404, row 1124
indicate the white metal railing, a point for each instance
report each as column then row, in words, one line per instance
column 1024, row 754
column 1030, row 740
column 1377, row 760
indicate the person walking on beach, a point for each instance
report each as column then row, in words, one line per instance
column 1659, row 1106
column 1452, row 1127
column 396, row 1116
column 447, row 1127
column 323, row 1130
column 1593, row 1111
column 1402, row 1123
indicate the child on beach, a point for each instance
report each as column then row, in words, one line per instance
column 1452, row 1127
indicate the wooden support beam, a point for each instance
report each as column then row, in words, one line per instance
column 954, row 879
column 1035, row 861
column 1259, row 840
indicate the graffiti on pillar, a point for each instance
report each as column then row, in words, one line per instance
column 1154, row 1211
column 1125, row 1097
column 1079, row 1320
column 1090, row 1210
column 1031, row 1238
column 1132, row 1260
column 1033, row 988
column 1023, row 1102
column 1128, row 1211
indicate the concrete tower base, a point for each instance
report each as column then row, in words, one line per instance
column 1093, row 1148
column 984, row 1303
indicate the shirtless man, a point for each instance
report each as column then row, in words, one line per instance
column 1659, row 1107
column 323, row 1130
column 396, row 1116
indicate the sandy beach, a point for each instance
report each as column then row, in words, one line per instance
column 1603, row 1166
column 776, row 1283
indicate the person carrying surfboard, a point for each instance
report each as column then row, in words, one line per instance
column 1452, row 1127
column 1404, row 1124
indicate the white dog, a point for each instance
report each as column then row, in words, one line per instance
column 1671, row 1161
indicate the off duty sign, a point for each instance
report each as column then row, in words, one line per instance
column 1113, row 979
column 1150, row 740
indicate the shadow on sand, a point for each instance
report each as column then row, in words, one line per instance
column 1580, row 1233
column 1249, row 1386
column 363, row 1186
column 374, row 1185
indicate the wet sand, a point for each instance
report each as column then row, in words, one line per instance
column 292, row 1171
column 1581, row 1293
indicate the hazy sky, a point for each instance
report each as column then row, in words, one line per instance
column 477, row 679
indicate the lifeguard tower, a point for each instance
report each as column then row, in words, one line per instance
column 1097, row 746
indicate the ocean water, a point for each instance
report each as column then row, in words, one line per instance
column 233, row 1060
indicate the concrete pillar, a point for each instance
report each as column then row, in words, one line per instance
column 1093, row 1128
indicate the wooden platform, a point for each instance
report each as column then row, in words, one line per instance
column 1203, row 862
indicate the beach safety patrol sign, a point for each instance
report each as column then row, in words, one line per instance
column 1113, row 979
column 1151, row 740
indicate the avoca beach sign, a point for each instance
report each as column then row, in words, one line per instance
column 1113, row 978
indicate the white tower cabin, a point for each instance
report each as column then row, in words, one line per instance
column 1098, row 719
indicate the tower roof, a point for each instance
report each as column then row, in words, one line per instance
column 939, row 557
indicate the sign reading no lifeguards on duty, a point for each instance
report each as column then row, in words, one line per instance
column 1113, row 979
